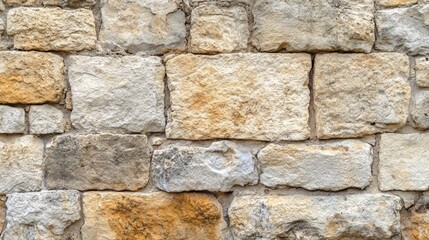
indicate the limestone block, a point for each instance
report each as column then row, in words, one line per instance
column 46, row 119
column 153, row 26
column 422, row 72
column 420, row 110
column 395, row 3
column 30, row 77
column 361, row 216
column 360, row 94
column 403, row 162
column 239, row 96
column 12, row 119
column 21, row 160
column 123, row 94
column 329, row 166
column 313, row 26
column 42, row 215
column 218, row 167
column 157, row 216
column 105, row 161
column 217, row 28
column 416, row 221
column 52, row 29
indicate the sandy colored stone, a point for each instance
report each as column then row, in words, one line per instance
column 403, row 29
column 422, row 72
column 42, row 215
column 104, row 161
column 313, row 26
column 416, row 221
column 403, row 162
column 420, row 110
column 21, row 160
column 2, row 212
column 216, row 168
column 30, row 77
column 361, row 216
column 329, row 166
column 12, row 119
column 360, row 94
column 124, row 94
column 239, row 96
column 395, row 3
column 155, row 216
column 46, row 119
column 217, row 28
column 153, row 26
column 52, row 29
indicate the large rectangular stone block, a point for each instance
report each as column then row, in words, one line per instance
column 312, row 26
column 360, row 94
column 240, row 96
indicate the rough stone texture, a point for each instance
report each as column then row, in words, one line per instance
column 403, row 162
column 239, row 96
column 21, row 161
column 12, row 119
column 216, row 168
column 2, row 211
column 30, row 77
column 105, row 161
column 154, row 26
column 422, row 72
column 395, row 3
column 46, row 119
column 331, row 166
column 217, row 28
column 117, row 94
column 403, row 29
column 61, row 3
column 360, row 94
column 52, row 29
column 306, row 25
column 42, row 215
column 416, row 222
column 363, row 216
column 154, row 216
column 420, row 110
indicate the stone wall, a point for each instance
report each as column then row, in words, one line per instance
column 201, row 120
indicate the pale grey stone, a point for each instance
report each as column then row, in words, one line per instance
column 218, row 167
column 46, row 119
column 12, row 119
column 329, row 166
column 124, row 94
column 153, row 26
column 42, row 215
column 403, row 162
column 420, row 110
column 21, row 160
column 307, row 25
column 404, row 29
column 99, row 161
column 360, row 216
column 422, row 72
column 395, row 3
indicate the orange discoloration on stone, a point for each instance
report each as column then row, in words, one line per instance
column 416, row 223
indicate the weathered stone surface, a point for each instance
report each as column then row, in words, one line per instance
column 217, row 28
column 30, row 77
column 362, row 216
column 52, row 29
column 105, row 161
column 12, row 119
column 154, row 216
column 239, row 96
column 42, row 215
column 2, row 211
column 306, row 25
column 154, row 26
column 330, row 166
column 416, row 221
column 117, row 94
column 420, row 110
column 403, row 29
column 216, row 168
column 360, row 94
column 46, row 119
column 395, row 3
column 21, row 161
column 422, row 72
column 61, row 3
column 403, row 162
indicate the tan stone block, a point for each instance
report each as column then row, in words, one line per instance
column 422, row 72
column 360, row 94
column 30, row 77
column 156, row 216
column 416, row 221
column 395, row 3
column 239, row 96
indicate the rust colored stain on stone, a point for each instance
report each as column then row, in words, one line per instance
column 2, row 211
